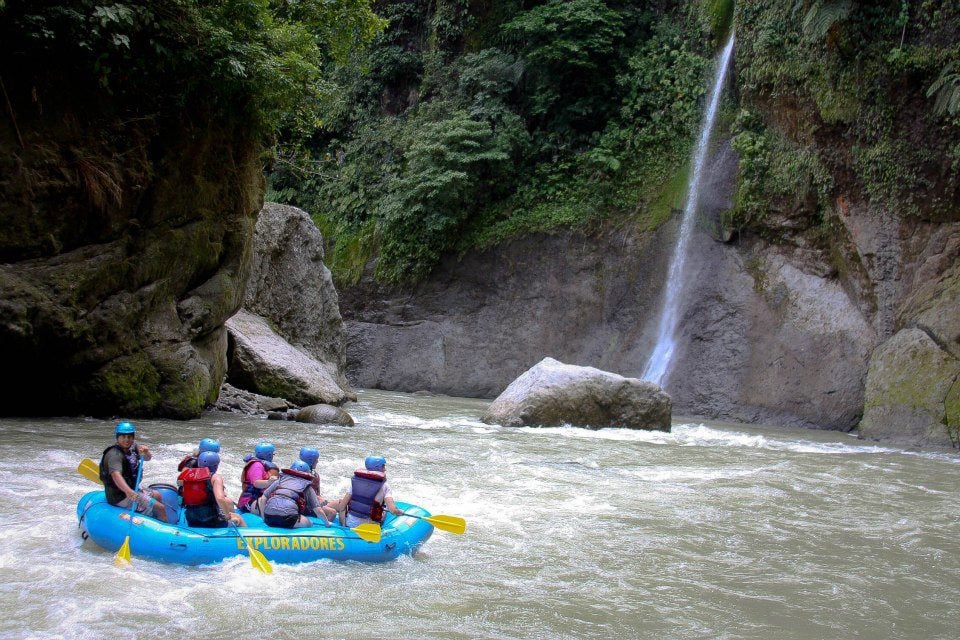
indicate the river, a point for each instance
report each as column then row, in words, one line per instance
column 710, row 531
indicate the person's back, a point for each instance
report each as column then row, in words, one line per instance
column 311, row 457
column 369, row 494
column 205, row 503
column 289, row 497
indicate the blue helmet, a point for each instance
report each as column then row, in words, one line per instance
column 210, row 460
column 124, row 428
column 209, row 444
column 270, row 466
column 301, row 466
column 264, row 451
column 310, row 456
column 375, row 463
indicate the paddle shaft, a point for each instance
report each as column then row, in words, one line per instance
column 123, row 553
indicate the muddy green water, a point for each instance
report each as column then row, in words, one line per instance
column 708, row 532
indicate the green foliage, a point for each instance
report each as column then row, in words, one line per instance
column 822, row 15
column 262, row 56
column 775, row 174
column 946, row 88
column 466, row 132
column 447, row 166
column 718, row 15
column 566, row 45
column 862, row 88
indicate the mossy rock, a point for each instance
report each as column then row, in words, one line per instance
column 911, row 394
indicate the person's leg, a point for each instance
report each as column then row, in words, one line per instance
column 159, row 509
column 303, row 521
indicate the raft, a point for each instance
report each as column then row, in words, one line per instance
column 178, row 543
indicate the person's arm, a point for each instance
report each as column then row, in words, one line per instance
column 118, row 480
column 265, row 480
column 144, row 452
column 392, row 506
column 386, row 498
column 270, row 489
column 220, row 495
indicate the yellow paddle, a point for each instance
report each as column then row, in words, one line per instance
column 89, row 470
column 453, row 524
column 257, row 559
column 369, row 531
column 122, row 558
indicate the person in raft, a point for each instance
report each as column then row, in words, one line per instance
column 205, row 502
column 119, row 469
column 311, row 456
column 190, row 460
column 255, row 478
column 256, row 506
column 291, row 496
column 369, row 494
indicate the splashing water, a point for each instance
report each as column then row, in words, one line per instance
column 710, row 531
column 659, row 361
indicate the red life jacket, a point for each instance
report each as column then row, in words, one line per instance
column 197, row 490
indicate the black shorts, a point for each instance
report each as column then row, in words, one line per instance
column 283, row 522
column 206, row 517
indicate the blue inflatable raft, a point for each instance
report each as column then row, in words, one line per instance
column 176, row 542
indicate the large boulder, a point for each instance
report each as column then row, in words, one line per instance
column 124, row 245
column 263, row 362
column 324, row 414
column 291, row 287
column 552, row 393
column 913, row 392
column 913, row 386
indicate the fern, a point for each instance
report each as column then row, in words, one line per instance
column 947, row 89
column 822, row 15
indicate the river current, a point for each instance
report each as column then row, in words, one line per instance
column 710, row 531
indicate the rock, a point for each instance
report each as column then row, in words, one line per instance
column 292, row 289
column 324, row 414
column 116, row 306
column 753, row 336
column 264, row 362
column 249, row 403
column 552, row 394
column 912, row 395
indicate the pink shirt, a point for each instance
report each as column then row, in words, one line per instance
column 255, row 472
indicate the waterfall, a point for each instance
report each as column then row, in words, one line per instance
column 662, row 354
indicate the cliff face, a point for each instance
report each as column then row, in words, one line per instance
column 766, row 334
column 822, row 289
column 124, row 243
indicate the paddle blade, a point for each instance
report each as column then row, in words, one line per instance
column 89, row 470
column 122, row 559
column 453, row 524
column 368, row 531
column 258, row 560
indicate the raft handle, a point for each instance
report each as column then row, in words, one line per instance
column 178, row 545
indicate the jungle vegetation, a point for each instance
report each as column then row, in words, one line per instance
column 469, row 122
